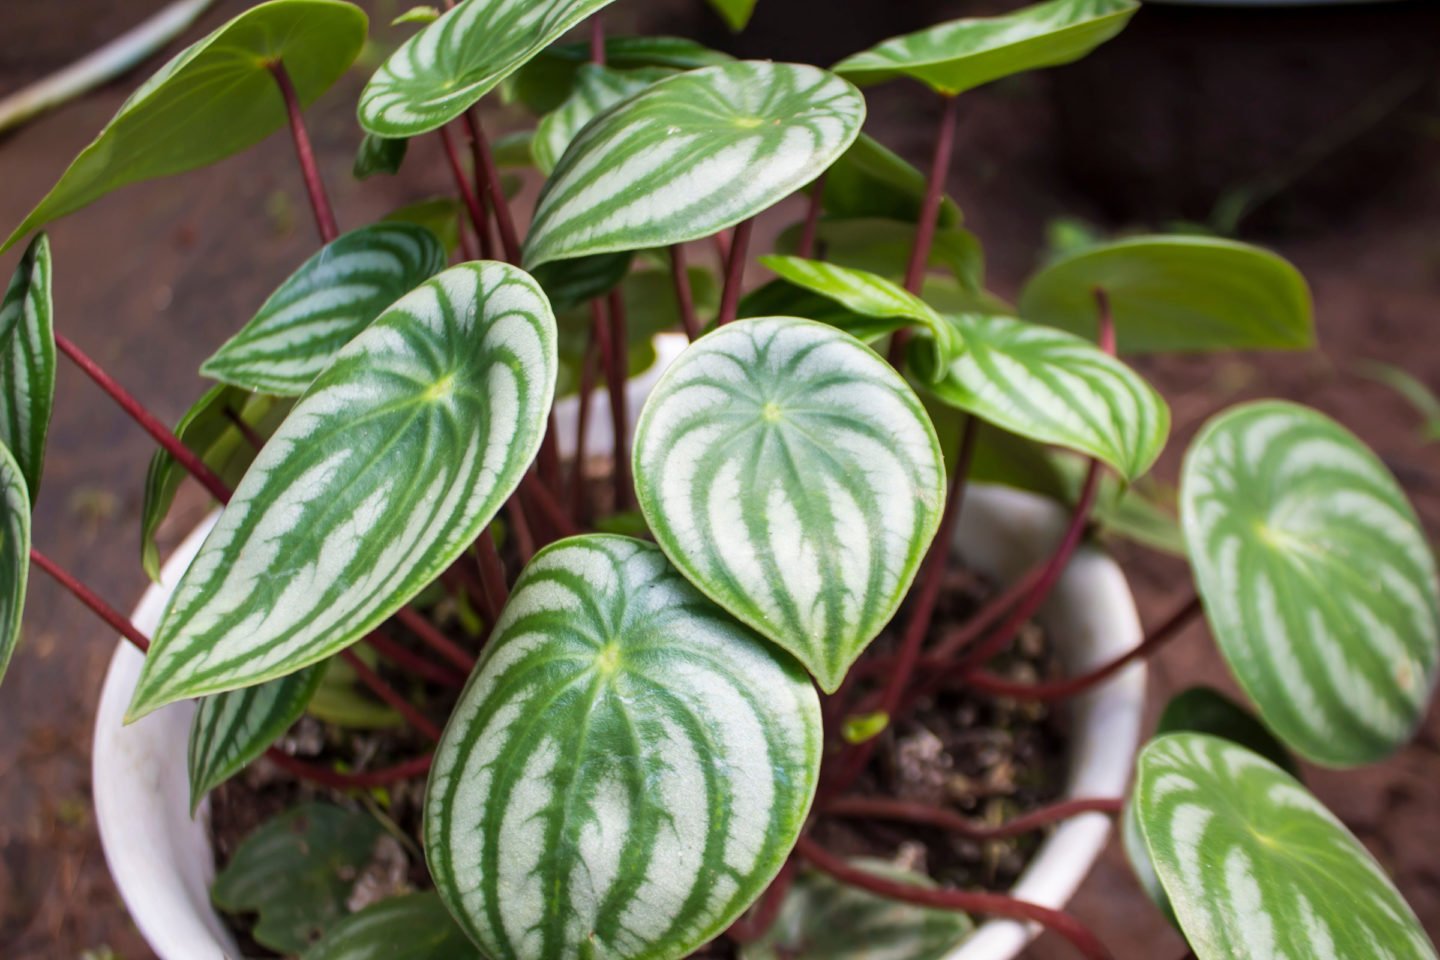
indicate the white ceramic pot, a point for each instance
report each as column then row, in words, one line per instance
column 162, row 862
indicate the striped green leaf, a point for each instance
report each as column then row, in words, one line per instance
column 332, row 297
column 414, row 926
column 627, row 770
column 231, row 729
column 1316, row 577
column 215, row 98
column 570, row 283
column 379, row 155
column 441, row 71
column 1255, row 866
column 792, row 476
column 824, row 918
column 691, row 155
column 27, row 363
column 547, row 80
column 596, row 90
column 14, row 553
column 1177, row 294
column 963, row 54
column 390, row 465
column 1053, row 387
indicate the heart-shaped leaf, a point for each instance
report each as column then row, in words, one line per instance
column 441, row 71
column 792, row 476
column 691, row 155
column 27, row 363
column 1257, row 867
column 824, row 918
column 296, row 872
column 231, row 729
column 14, row 553
column 215, row 98
column 1177, row 293
column 872, row 181
column 596, row 90
column 415, row 926
column 548, row 80
column 323, row 305
column 963, row 54
column 1316, row 577
column 390, row 465
column 627, row 770
column 1051, row 386
column 379, row 155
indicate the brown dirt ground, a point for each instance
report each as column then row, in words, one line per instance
column 152, row 278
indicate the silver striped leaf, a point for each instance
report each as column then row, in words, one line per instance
column 963, row 54
column 793, row 476
column 824, row 918
column 627, row 770
column 437, row 74
column 596, row 90
column 1316, row 577
column 547, row 80
column 231, row 729
column 390, row 465
column 1054, row 387
column 691, row 155
column 27, row 362
column 14, row 553
column 412, row 926
column 332, row 297
column 1255, row 866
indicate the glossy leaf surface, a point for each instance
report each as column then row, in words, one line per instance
column 457, row 377
column 691, row 155
column 1255, row 866
column 627, row 770
column 962, row 54
column 379, row 155
column 215, row 98
column 27, row 363
column 546, row 81
column 323, row 305
column 14, row 554
column 1317, row 579
column 414, row 926
column 793, row 477
column 596, row 90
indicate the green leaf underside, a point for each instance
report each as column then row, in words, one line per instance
column 440, row 72
column 544, row 83
column 414, row 926
column 596, row 90
column 27, row 363
column 735, row 13
column 296, row 871
column 389, row 466
column 1053, row 387
column 793, row 477
column 231, row 729
column 14, row 554
column 213, row 99
column 627, row 770
column 872, row 181
column 1255, row 866
column 691, row 155
column 379, row 155
column 323, row 305
column 1177, row 294
column 1317, row 580
column 963, row 54
column 207, row 429
column 824, row 918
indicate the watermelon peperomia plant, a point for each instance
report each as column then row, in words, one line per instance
column 643, row 736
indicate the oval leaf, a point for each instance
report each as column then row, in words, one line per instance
column 379, row 155
column 440, row 72
column 390, row 465
column 27, row 363
column 1053, row 387
column 794, row 478
column 415, row 926
column 231, row 729
column 626, row 772
column 597, row 89
column 1316, row 577
column 962, row 54
column 1257, row 867
column 323, row 305
column 14, row 554
column 691, row 155
column 217, row 97
column 1177, row 293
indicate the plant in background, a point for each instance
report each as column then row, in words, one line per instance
column 639, row 757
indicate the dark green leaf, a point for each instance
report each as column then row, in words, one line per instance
column 413, row 926
column 871, row 181
column 379, row 155
column 27, row 363
column 569, row 283
column 14, row 554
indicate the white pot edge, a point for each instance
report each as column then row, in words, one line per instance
column 162, row 862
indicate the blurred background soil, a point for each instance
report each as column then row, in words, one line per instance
column 1314, row 132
